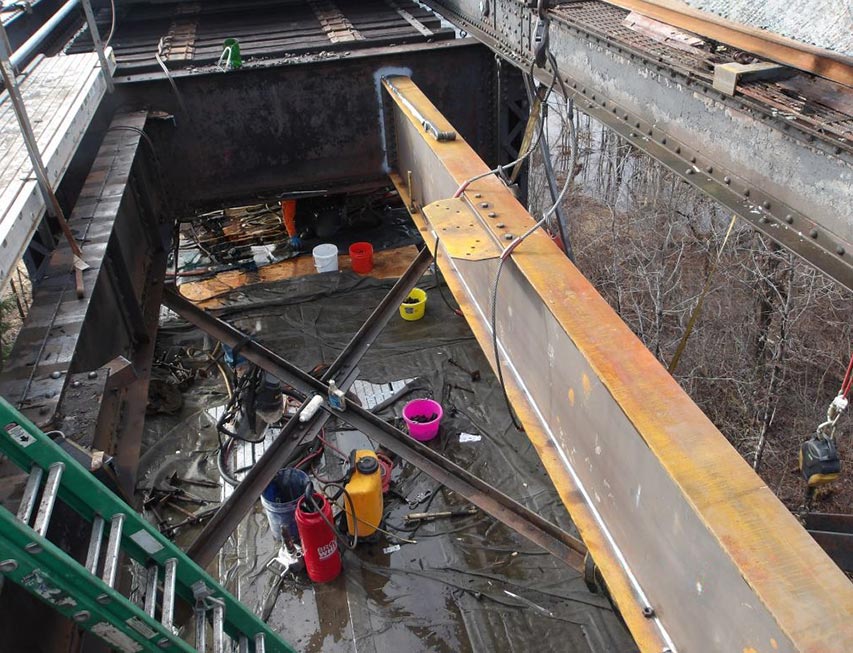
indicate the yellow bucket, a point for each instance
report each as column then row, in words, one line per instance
column 414, row 311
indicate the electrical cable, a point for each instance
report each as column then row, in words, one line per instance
column 340, row 536
column 503, row 258
column 112, row 23
column 157, row 55
column 501, row 169
column 438, row 277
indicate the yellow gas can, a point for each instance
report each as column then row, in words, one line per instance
column 365, row 491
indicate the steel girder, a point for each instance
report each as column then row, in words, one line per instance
column 790, row 182
column 697, row 552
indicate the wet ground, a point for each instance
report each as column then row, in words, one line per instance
column 466, row 584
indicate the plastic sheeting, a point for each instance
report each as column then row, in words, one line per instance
column 467, row 584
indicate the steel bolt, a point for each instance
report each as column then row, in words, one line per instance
column 484, row 205
column 508, row 236
column 81, row 616
column 7, row 566
column 492, row 214
column 648, row 612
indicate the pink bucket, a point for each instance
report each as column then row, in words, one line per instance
column 423, row 431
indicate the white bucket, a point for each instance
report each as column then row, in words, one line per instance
column 325, row 257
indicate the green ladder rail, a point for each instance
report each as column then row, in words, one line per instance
column 88, row 596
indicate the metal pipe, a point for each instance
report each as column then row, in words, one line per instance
column 96, row 42
column 29, row 47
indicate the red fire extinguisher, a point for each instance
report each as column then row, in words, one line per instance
column 319, row 543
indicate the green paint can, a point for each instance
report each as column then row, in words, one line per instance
column 231, row 55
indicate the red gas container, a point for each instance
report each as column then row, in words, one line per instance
column 319, row 545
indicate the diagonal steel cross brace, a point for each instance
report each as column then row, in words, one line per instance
column 500, row 506
column 344, row 370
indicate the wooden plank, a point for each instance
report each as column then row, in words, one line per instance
column 64, row 93
column 387, row 264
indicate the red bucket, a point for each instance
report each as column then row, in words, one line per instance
column 361, row 257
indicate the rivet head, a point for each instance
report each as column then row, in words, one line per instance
column 839, row 250
column 508, row 236
column 163, row 643
column 648, row 612
column 484, row 205
column 633, row 134
column 76, row 384
column 766, row 204
column 789, row 219
column 678, row 150
column 103, row 599
column 692, row 159
column 727, row 180
column 81, row 616
column 746, row 193
column 33, row 547
column 689, row 171
column 813, row 233
column 7, row 566
column 92, row 375
column 500, row 225
column 492, row 214
column 56, row 374
column 763, row 219
column 710, row 169
column 478, row 195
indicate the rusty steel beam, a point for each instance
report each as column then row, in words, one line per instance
column 774, row 169
column 805, row 57
column 698, row 554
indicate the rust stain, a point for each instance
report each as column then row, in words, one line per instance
column 587, row 386
column 771, row 550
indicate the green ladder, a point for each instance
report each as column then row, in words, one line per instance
column 80, row 591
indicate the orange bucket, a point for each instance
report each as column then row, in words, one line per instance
column 361, row 257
